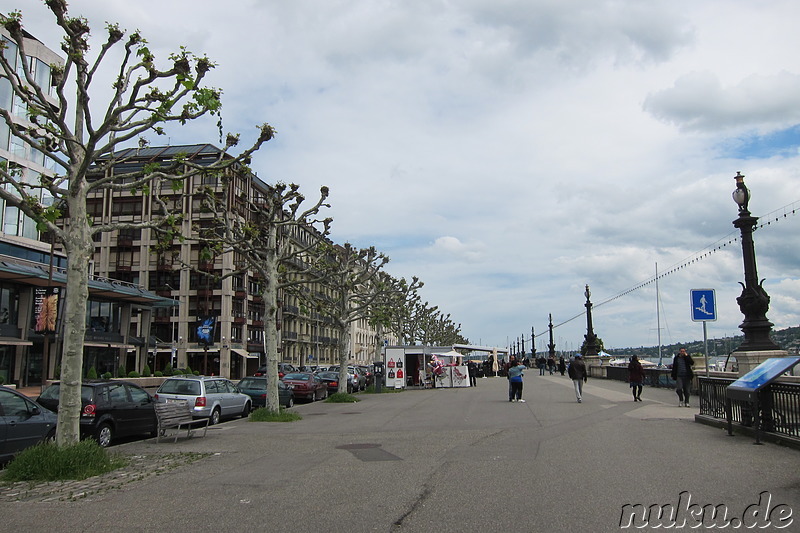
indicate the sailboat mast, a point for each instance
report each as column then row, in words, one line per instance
column 658, row 316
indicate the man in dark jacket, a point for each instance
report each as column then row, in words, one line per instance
column 577, row 373
column 682, row 373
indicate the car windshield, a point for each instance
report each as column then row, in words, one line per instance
column 180, row 386
column 328, row 375
column 253, row 383
column 297, row 377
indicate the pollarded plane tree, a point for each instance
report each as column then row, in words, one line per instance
column 276, row 236
column 356, row 283
column 81, row 138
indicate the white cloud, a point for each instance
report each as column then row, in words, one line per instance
column 508, row 152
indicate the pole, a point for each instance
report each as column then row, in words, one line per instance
column 658, row 317
column 705, row 344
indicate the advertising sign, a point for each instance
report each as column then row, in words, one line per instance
column 205, row 330
column 45, row 309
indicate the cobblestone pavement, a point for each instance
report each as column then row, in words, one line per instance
column 139, row 467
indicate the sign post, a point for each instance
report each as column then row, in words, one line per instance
column 704, row 309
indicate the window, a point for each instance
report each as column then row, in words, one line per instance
column 13, row 405
column 138, row 395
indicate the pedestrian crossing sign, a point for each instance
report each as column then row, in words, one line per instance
column 704, row 305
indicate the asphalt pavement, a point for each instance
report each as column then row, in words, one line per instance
column 443, row 460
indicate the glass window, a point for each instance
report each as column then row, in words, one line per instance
column 211, row 387
column 138, row 395
column 41, row 75
column 13, row 405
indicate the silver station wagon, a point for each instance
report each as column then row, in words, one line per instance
column 208, row 397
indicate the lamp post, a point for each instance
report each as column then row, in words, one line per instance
column 591, row 338
column 533, row 347
column 552, row 345
column 754, row 300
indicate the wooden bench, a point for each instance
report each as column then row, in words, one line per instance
column 176, row 415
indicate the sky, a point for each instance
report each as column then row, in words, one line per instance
column 510, row 152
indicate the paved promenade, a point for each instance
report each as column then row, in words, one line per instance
column 442, row 460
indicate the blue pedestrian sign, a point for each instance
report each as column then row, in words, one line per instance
column 704, row 305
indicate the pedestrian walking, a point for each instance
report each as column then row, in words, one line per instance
column 577, row 373
column 636, row 378
column 551, row 364
column 512, row 362
column 515, row 383
column 562, row 365
column 682, row 373
column 541, row 363
column 472, row 370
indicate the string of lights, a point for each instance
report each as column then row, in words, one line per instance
column 773, row 217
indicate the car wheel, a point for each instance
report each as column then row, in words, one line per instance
column 290, row 403
column 215, row 417
column 104, row 434
column 51, row 436
column 349, row 389
column 246, row 410
column 312, row 397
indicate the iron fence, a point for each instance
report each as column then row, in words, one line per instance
column 779, row 405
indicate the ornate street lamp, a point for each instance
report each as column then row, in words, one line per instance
column 754, row 300
column 591, row 338
column 552, row 345
column 533, row 347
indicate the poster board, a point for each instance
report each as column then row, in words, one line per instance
column 747, row 386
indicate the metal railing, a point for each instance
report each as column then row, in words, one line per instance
column 779, row 403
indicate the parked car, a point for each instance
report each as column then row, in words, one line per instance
column 359, row 379
column 256, row 388
column 331, row 379
column 109, row 409
column 369, row 373
column 306, row 385
column 23, row 423
column 209, row 397
column 283, row 369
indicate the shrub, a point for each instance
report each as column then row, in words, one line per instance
column 121, row 372
column 188, row 370
column 2, row 380
column 133, row 374
column 92, row 373
column 48, row 462
column 342, row 397
column 168, row 370
column 146, row 372
column 57, row 372
column 158, row 374
column 108, row 375
column 196, row 372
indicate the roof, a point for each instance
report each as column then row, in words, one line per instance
column 39, row 275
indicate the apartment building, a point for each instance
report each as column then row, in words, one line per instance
column 220, row 296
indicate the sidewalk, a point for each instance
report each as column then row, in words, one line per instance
column 445, row 460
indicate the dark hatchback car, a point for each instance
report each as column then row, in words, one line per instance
column 331, row 379
column 23, row 423
column 256, row 388
column 109, row 409
column 306, row 385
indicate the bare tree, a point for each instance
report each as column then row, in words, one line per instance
column 83, row 146
column 357, row 282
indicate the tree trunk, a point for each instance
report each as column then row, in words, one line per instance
column 271, row 340
column 79, row 246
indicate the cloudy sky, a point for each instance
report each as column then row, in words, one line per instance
column 509, row 152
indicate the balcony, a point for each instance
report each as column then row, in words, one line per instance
column 205, row 265
column 165, row 266
column 205, row 292
column 239, row 320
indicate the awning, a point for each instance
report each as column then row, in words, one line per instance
column 12, row 341
column 244, row 353
column 94, row 344
column 202, row 350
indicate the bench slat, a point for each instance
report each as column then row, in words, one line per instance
column 176, row 415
